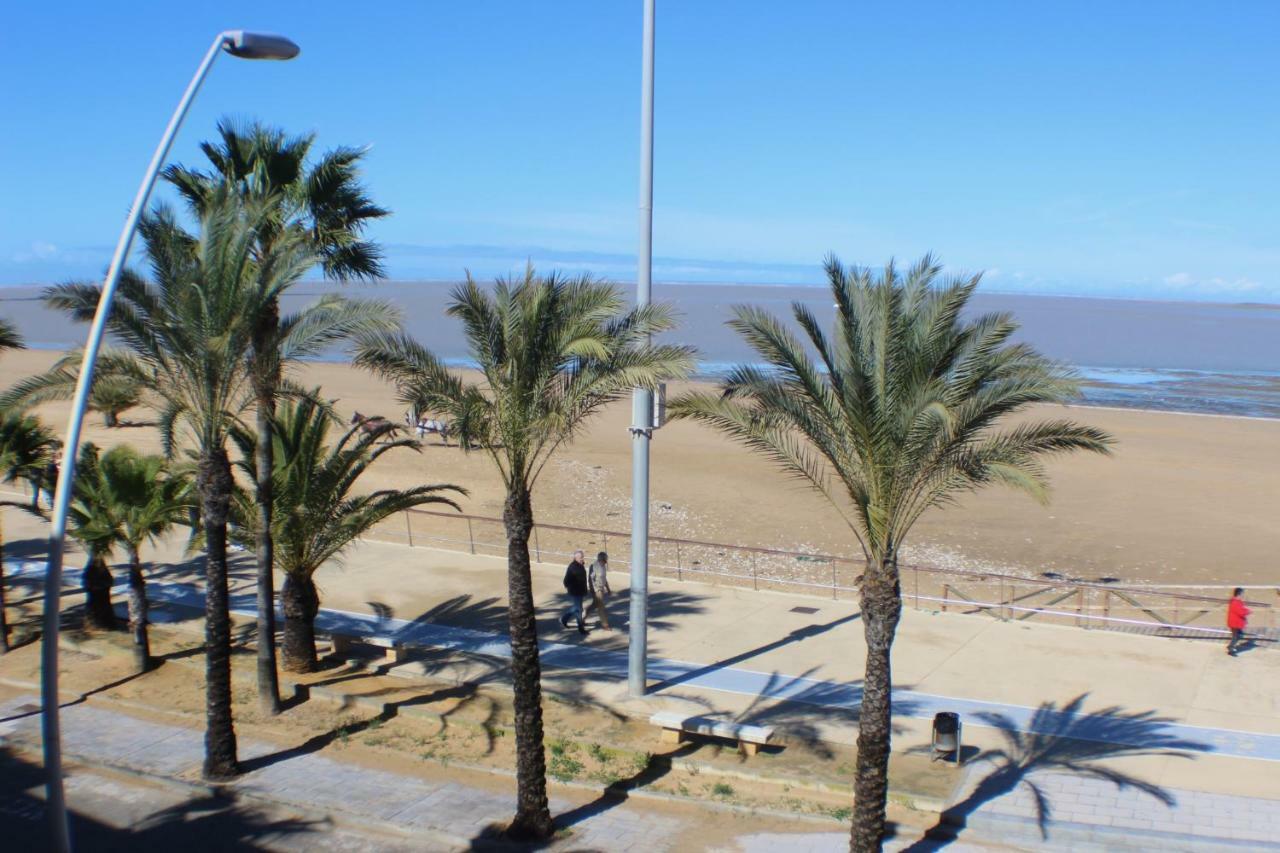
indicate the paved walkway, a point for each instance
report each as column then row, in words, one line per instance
column 1139, row 731
column 1085, row 813
column 455, row 813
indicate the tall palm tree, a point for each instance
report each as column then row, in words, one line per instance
column 132, row 499
column 902, row 413
column 26, row 446
column 316, row 515
column 326, row 204
column 191, row 328
column 553, row 351
column 118, row 385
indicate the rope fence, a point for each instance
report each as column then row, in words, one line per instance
column 1063, row 601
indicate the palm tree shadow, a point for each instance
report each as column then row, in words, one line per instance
column 1062, row 739
column 796, row 636
column 614, row 795
column 481, row 671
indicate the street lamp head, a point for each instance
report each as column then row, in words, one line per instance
column 248, row 45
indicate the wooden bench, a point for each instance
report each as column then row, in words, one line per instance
column 675, row 726
column 393, row 652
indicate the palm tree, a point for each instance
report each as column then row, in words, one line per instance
column 10, row 337
column 92, row 522
column 191, row 328
column 553, row 351
column 26, row 446
column 326, row 204
column 316, row 515
column 902, row 413
column 118, row 385
column 134, row 499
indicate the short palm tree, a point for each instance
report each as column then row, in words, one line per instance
column 117, row 385
column 324, row 203
column 10, row 337
column 93, row 521
column 553, row 351
column 26, row 446
column 902, row 413
column 191, row 328
column 134, row 499
column 316, row 515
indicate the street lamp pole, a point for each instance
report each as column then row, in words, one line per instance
column 642, row 400
column 238, row 43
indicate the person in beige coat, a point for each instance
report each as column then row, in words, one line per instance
column 598, row 583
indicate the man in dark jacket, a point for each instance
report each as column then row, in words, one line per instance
column 575, row 583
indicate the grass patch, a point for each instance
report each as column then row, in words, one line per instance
column 563, row 768
column 722, row 789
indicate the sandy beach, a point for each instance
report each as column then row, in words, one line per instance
column 1185, row 499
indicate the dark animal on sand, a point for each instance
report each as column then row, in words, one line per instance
column 376, row 425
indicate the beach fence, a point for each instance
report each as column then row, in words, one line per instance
column 1049, row 599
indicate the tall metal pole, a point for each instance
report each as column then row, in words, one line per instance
column 239, row 43
column 642, row 400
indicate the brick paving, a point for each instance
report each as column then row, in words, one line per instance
column 454, row 810
column 1090, row 813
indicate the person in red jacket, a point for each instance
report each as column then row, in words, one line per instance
column 1237, row 618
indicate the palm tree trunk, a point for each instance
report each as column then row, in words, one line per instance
column 533, row 815
column 4, row 620
column 881, row 609
column 111, row 419
column 266, row 381
column 99, row 613
column 214, row 483
column 301, row 603
column 138, row 612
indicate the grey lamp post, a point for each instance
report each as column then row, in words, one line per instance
column 642, row 400
column 237, row 43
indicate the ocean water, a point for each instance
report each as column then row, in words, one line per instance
column 1175, row 356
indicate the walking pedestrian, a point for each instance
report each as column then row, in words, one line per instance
column 49, row 479
column 575, row 583
column 1237, row 619
column 598, row 582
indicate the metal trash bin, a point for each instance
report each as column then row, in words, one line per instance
column 946, row 735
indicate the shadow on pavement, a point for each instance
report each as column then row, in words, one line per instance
column 202, row 823
column 796, row 636
column 1064, row 740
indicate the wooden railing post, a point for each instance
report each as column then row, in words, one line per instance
column 755, row 576
column 946, row 593
column 408, row 527
column 537, row 548
column 471, row 536
column 678, row 560
column 1080, row 620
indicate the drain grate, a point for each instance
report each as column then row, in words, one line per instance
column 804, row 610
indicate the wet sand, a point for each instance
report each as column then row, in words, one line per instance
column 1185, row 499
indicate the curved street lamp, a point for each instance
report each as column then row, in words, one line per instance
column 245, row 45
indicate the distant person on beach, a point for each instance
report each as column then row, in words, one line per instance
column 48, row 480
column 1237, row 619
column 598, row 582
column 575, row 583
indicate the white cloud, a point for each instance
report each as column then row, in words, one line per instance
column 1185, row 281
column 37, row 251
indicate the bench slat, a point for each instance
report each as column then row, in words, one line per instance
column 716, row 728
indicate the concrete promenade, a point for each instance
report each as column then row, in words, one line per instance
column 1178, row 716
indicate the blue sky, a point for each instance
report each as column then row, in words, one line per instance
column 1121, row 149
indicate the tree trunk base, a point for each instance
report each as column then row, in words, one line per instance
column 301, row 603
